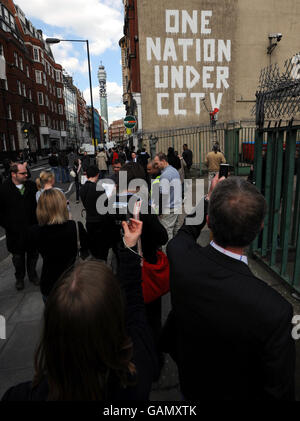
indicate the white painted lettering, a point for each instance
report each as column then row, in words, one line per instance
column 191, row 21
column 204, row 21
column 158, row 83
column 160, row 109
column 209, row 50
column 224, row 50
column 154, row 48
column 176, row 77
column 170, row 51
column 177, row 110
column 198, row 50
column 206, row 75
column 191, row 71
column 185, row 43
column 197, row 97
column 172, row 29
column 215, row 103
column 222, row 76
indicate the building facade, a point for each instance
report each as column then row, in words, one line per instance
column 71, row 111
column 117, row 131
column 201, row 55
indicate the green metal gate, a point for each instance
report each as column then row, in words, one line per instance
column 277, row 176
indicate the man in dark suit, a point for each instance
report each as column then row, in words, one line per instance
column 228, row 331
column 17, row 215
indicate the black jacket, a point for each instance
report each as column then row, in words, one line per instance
column 57, row 245
column 174, row 161
column 17, row 214
column 53, row 160
column 187, row 155
column 229, row 332
column 144, row 355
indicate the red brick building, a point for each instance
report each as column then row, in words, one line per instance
column 31, row 87
column 116, row 131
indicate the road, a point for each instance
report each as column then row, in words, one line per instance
column 67, row 188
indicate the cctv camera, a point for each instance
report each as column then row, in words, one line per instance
column 279, row 36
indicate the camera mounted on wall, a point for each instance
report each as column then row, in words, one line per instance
column 272, row 44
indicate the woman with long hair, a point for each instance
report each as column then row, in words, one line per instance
column 55, row 238
column 93, row 346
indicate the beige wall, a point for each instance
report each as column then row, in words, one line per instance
column 245, row 24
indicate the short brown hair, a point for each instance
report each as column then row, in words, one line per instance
column 52, row 208
column 236, row 212
column 162, row 156
column 85, row 346
column 13, row 167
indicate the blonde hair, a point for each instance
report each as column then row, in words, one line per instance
column 44, row 178
column 52, row 208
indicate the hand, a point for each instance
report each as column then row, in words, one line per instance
column 214, row 182
column 132, row 232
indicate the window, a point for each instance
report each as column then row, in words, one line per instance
column 55, row 107
column 21, row 63
column 42, row 57
column 46, row 101
column 50, row 88
column 48, row 68
column 6, row 15
column 38, row 76
column 32, row 118
column 57, row 74
column 52, row 72
column 12, row 21
column 27, row 71
column 16, row 59
column 43, row 120
column 1, row 48
column 2, row 139
column 19, row 87
column 40, row 98
column 62, row 125
column 30, row 95
column 27, row 116
column 22, row 115
column 45, row 79
column 24, row 89
column 58, row 92
column 9, row 115
column 12, row 142
column 49, row 121
column 36, row 54
column 60, row 109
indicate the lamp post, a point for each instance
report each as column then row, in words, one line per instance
column 56, row 41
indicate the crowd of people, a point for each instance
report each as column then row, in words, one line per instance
column 228, row 332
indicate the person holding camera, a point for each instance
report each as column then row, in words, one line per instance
column 96, row 344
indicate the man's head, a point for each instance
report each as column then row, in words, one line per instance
column 236, row 212
column 161, row 160
column 18, row 173
column 116, row 166
column 185, row 147
column 92, row 173
column 152, row 169
column 85, row 153
column 133, row 155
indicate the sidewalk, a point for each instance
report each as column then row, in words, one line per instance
column 23, row 312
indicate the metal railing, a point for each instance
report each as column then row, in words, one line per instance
column 277, row 176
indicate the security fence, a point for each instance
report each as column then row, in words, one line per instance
column 277, row 176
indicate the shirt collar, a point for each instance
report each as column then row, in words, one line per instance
column 236, row 256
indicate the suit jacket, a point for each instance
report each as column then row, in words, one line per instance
column 17, row 214
column 229, row 332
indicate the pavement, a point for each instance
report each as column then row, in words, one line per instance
column 23, row 311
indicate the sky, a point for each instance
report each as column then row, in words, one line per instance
column 99, row 21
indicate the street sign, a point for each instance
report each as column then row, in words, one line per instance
column 129, row 121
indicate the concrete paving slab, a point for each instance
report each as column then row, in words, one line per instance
column 9, row 303
column 9, row 333
column 30, row 308
column 18, row 353
column 13, row 377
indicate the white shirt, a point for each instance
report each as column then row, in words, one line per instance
column 19, row 186
column 236, row 256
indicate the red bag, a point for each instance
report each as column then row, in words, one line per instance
column 155, row 278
